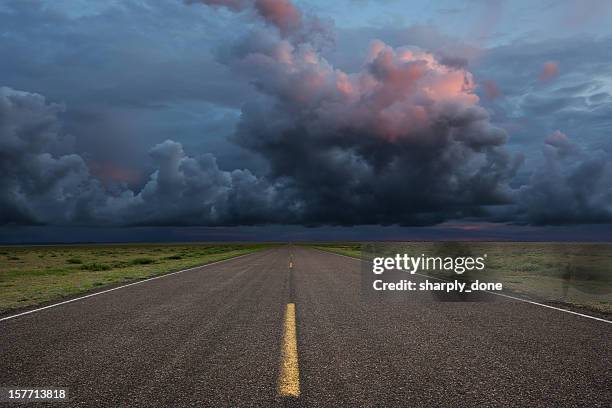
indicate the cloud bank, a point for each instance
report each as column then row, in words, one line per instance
column 570, row 187
column 402, row 140
column 44, row 182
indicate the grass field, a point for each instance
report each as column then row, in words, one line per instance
column 574, row 274
column 38, row 274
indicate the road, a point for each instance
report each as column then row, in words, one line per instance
column 221, row 336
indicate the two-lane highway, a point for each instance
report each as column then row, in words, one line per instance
column 221, row 335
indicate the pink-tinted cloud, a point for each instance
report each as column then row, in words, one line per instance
column 399, row 92
column 550, row 70
column 404, row 118
column 281, row 13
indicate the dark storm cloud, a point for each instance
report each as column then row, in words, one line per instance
column 188, row 190
column 361, row 162
column 43, row 182
column 402, row 141
column 400, row 137
column 550, row 85
column 37, row 185
column 570, row 187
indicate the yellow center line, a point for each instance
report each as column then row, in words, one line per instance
column 289, row 378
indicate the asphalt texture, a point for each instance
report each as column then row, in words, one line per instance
column 212, row 337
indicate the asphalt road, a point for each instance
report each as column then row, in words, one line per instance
column 213, row 336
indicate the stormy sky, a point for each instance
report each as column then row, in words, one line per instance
column 482, row 118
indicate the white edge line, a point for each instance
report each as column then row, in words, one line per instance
column 121, row 287
column 498, row 294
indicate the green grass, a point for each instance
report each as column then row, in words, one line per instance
column 96, row 267
column 575, row 274
column 142, row 261
column 38, row 274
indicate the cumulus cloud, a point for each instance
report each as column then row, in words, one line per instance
column 37, row 185
column 44, row 181
column 402, row 140
column 282, row 13
column 188, row 190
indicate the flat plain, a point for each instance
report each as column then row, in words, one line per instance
column 32, row 275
